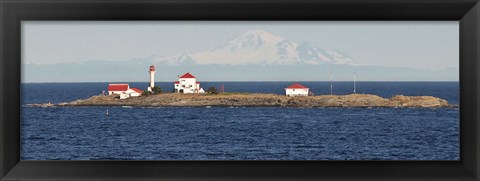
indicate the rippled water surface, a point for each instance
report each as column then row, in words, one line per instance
column 238, row 133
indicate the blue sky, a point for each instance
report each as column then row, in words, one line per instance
column 429, row 45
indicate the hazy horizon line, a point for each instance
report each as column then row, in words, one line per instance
column 256, row 81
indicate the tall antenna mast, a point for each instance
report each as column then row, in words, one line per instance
column 331, row 82
column 354, row 86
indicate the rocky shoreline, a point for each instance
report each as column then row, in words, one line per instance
column 258, row 100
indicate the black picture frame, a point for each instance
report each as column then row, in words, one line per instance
column 12, row 12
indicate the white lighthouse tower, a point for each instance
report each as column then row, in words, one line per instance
column 152, row 78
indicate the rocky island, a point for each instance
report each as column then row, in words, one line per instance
column 188, row 93
column 259, row 100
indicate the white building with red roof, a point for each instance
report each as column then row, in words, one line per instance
column 123, row 90
column 187, row 83
column 134, row 92
column 296, row 90
column 117, row 88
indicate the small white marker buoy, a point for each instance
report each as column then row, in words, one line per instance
column 354, row 86
column 106, row 113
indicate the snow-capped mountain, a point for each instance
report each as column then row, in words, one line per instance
column 259, row 47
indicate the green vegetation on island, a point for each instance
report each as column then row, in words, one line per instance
column 155, row 90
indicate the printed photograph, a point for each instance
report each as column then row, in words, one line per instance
column 240, row 90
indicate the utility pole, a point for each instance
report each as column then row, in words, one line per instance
column 331, row 82
column 354, row 86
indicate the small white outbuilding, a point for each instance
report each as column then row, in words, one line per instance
column 296, row 90
column 134, row 92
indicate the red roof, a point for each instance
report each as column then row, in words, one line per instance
column 137, row 90
column 117, row 87
column 297, row 86
column 177, row 82
column 187, row 75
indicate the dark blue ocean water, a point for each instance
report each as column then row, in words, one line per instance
column 240, row 133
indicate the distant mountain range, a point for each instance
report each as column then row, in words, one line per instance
column 258, row 47
column 254, row 55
